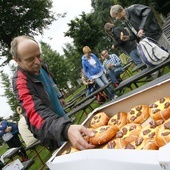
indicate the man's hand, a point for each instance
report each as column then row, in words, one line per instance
column 110, row 66
column 75, row 137
column 141, row 33
column 8, row 129
column 113, row 47
column 124, row 37
column 90, row 81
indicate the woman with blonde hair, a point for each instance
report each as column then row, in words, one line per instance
column 94, row 70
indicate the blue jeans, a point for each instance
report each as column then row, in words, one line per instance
column 101, row 81
column 135, row 56
column 114, row 75
column 89, row 90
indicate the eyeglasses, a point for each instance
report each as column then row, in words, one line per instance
column 104, row 54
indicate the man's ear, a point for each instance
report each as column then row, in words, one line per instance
column 15, row 59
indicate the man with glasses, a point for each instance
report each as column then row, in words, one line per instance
column 113, row 66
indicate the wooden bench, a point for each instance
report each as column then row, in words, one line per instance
column 143, row 73
column 37, row 152
column 139, row 67
column 83, row 107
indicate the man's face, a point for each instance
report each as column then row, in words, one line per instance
column 105, row 54
column 29, row 56
column 118, row 16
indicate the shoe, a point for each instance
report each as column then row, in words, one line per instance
column 24, row 159
column 116, row 84
column 115, row 97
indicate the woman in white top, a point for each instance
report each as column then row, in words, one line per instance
column 93, row 69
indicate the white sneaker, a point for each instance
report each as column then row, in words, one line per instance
column 115, row 97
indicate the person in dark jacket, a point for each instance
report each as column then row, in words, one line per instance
column 140, row 19
column 129, row 46
column 9, row 133
column 40, row 99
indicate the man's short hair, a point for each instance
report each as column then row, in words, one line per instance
column 14, row 45
column 108, row 27
column 115, row 9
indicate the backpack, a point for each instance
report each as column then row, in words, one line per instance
column 101, row 97
column 151, row 52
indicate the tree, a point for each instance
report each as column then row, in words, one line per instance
column 85, row 30
column 73, row 60
column 23, row 18
column 9, row 94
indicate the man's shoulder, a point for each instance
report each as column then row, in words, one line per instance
column 113, row 55
column 135, row 7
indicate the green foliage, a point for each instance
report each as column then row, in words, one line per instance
column 73, row 60
column 102, row 9
column 85, row 31
column 11, row 100
column 23, row 18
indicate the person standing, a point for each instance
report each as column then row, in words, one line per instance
column 113, row 66
column 129, row 45
column 9, row 133
column 40, row 100
column 140, row 19
column 93, row 69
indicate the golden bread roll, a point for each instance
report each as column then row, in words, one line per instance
column 117, row 143
column 129, row 132
column 118, row 120
column 149, row 130
column 138, row 114
column 100, row 119
column 103, row 134
column 142, row 144
column 160, row 109
column 162, row 136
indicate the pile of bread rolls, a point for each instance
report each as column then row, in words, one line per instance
column 142, row 127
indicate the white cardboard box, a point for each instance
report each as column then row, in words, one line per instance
column 99, row 159
column 14, row 165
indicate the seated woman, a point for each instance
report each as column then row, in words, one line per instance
column 9, row 133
